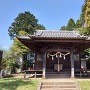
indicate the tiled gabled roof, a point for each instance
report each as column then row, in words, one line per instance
column 56, row 34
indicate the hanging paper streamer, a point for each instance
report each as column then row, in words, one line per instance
column 52, row 57
column 60, row 55
column 64, row 57
column 56, row 54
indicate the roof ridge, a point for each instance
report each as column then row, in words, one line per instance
column 57, row 34
column 55, row 31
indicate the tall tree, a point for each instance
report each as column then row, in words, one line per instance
column 23, row 22
column 7, row 60
column 87, row 14
column 78, row 24
column 18, row 47
column 82, row 16
column 71, row 25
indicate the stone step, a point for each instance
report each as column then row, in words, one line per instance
column 57, row 72
column 58, row 76
column 58, row 86
column 60, row 89
column 58, row 83
column 65, row 85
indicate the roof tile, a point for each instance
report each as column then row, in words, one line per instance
column 57, row 34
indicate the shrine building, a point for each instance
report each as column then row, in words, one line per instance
column 56, row 50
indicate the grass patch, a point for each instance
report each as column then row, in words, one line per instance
column 85, row 85
column 18, row 84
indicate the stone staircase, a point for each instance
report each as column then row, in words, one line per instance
column 64, row 85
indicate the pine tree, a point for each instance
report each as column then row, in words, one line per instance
column 78, row 24
column 71, row 25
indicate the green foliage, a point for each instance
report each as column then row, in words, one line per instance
column 88, row 11
column 81, row 30
column 71, row 25
column 18, row 47
column 84, row 31
column 10, row 60
column 40, row 27
column 63, row 28
column 83, row 24
column 1, row 53
column 86, row 53
column 78, row 24
column 81, row 21
column 82, row 16
column 87, row 14
column 24, row 22
column 23, row 33
column 7, row 60
column 28, row 64
column 16, row 65
column 88, row 31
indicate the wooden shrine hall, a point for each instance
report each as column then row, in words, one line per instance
column 56, row 50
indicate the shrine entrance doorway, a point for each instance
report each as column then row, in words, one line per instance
column 58, row 61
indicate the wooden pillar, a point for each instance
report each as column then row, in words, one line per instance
column 80, row 59
column 72, row 65
column 35, row 61
column 58, row 65
column 44, row 64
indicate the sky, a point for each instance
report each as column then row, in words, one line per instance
column 51, row 13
